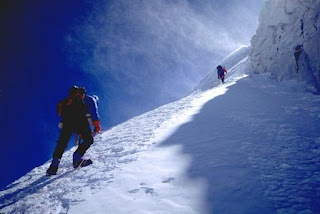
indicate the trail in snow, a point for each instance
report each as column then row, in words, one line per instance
column 35, row 193
column 248, row 146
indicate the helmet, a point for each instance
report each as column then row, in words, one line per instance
column 82, row 90
column 73, row 90
column 219, row 67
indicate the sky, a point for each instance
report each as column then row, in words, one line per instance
column 135, row 55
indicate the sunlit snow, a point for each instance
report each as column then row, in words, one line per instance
column 250, row 145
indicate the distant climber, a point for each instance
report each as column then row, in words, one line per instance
column 221, row 72
column 78, row 111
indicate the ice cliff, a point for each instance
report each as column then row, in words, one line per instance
column 287, row 40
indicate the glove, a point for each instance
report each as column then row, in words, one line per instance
column 97, row 126
column 60, row 125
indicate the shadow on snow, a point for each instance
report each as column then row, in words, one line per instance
column 34, row 187
column 217, row 140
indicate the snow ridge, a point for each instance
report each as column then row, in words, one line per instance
column 35, row 193
column 230, row 62
column 250, row 145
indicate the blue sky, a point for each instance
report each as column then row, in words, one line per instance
column 135, row 55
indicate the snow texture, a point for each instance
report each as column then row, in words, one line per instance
column 211, row 80
column 250, row 145
column 285, row 27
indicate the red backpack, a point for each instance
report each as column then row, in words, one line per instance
column 71, row 106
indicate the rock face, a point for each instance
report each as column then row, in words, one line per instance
column 287, row 41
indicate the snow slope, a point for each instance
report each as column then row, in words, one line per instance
column 236, row 57
column 250, row 145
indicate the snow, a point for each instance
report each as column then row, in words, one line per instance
column 230, row 61
column 285, row 25
column 250, row 145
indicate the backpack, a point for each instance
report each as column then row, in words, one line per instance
column 71, row 107
column 221, row 71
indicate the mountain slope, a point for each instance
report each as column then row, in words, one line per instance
column 228, row 62
column 250, row 145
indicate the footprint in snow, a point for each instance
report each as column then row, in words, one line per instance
column 117, row 149
column 134, row 191
column 168, row 180
column 146, row 190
